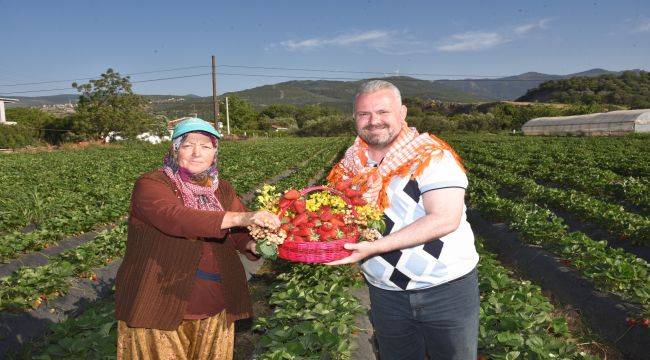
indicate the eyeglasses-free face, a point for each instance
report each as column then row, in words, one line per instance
column 196, row 153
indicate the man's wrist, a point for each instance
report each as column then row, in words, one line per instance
column 381, row 246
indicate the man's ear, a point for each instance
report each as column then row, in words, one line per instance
column 402, row 112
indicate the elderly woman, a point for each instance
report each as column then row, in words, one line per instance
column 182, row 285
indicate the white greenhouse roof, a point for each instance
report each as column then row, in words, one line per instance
column 609, row 123
column 640, row 117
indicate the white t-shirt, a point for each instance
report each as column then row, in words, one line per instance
column 437, row 261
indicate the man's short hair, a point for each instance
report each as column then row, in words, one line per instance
column 376, row 85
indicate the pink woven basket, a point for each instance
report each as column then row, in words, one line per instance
column 317, row 252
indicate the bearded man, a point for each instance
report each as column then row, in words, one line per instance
column 421, row 274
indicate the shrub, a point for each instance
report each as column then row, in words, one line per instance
column 16, row 136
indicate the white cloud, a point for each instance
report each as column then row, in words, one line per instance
column 483, row 40
column 643, row 26
column 384, row 41
column 342, row 40
column 526, row 28
column 402, row 43
column 472, row 41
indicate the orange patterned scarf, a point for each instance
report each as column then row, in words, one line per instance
column 409, row 154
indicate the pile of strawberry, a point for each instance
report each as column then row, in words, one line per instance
column 303, row 225
column 345, row 187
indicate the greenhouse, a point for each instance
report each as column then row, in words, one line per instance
column 610, row 123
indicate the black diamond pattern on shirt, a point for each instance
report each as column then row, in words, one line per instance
column 389, row 225
column 399, row 279
column 411, row 189
column 434, row 247
column 392, row 257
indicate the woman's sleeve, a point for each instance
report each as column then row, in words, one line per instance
column 155, row 203
column 240, row 236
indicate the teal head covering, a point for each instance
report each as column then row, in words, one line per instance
column 194, row 124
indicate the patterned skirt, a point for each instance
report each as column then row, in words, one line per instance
column 210, row 338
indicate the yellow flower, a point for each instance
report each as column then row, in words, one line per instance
column 268, row 198
column 317, row 200
column 368, row 212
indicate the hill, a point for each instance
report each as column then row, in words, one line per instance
column 38, row 101
column 341, row 93
column 512, row 87
column 630, row 88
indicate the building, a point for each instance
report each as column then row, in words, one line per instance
column 3, row 118
column 610, row 123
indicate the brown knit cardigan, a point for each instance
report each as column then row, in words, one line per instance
column 163, row 251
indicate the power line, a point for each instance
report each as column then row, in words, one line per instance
column 95, row 77
column 198, row 75
column 254, row 75
column 73, row 130
column 132, row 82
column 475, row 77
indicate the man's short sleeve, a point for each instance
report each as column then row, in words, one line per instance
column 442, row 173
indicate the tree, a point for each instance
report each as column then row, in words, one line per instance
column 314, row 112
column 242, row 114
column 279, row 110
column 108, row 104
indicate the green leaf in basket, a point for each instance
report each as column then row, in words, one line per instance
column 380, row 225
column 267, row 251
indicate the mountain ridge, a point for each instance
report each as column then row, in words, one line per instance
column 341, row 93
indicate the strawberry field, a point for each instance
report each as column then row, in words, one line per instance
column 581, row 205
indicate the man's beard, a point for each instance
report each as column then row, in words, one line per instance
column 378, row 140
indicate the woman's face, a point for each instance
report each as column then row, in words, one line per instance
column 196, row 153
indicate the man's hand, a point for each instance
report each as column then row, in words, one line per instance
column 360, row 251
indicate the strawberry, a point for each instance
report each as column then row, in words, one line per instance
column 304, row 231
column 286, row 227
column 349, row 229
column 299, row 206
column 336, row 222
column 298, row 238
column 327, row 226
column 645, row 322
column 631, row 322
column 326, row 216
column 292, row 194
column 299, row 219
column 358, row 201
column 342, row 185
column 351, row 193
column 331, row 234
column 284, row 203
column 312, row 215
column 325, row 236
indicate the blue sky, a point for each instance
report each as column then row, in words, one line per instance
column 61, row 40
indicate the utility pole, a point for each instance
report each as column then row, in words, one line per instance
column 227, row 117
column 214, row 92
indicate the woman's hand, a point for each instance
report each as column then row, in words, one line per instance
column 252, row 247
column 244, row 219
column 265, row 219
